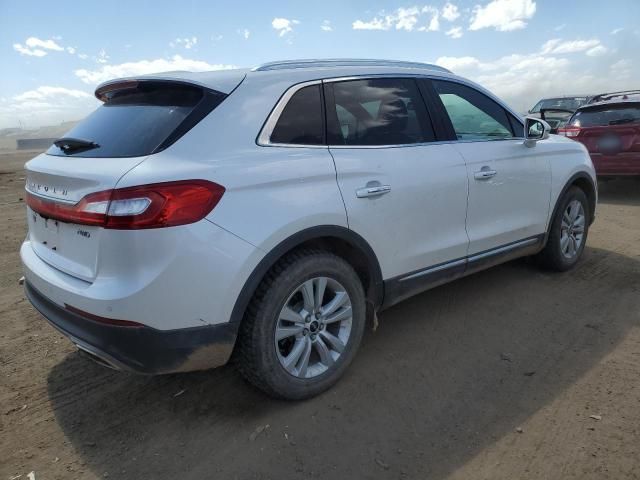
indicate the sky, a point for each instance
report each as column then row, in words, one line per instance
column 54, row 53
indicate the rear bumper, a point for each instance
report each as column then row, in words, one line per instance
column 141, row 349
column 616, row 165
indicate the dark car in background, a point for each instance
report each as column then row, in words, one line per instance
column 557, row 110
column 609, row 127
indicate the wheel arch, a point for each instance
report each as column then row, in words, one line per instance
column 339, row 240
column 583, row 181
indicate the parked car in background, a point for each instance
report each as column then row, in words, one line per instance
column 266, row 212
column 610, row 129
column 556, row 111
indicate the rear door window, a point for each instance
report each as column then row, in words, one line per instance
column 383, row 111
column 139, row 118
column 301, row 121
column 620, row 114
column 473, row 115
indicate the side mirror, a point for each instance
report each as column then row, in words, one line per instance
column 535, row 129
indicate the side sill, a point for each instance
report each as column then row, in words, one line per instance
column 402, row 287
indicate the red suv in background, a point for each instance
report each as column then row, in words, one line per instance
column 609, row 127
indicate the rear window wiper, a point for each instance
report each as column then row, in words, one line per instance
column 69, row 145
column 623, row 120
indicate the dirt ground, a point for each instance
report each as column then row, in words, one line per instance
column 512, row 373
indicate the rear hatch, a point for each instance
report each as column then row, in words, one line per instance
column 611, row 133
column 138, row 118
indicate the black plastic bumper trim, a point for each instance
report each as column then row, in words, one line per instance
column 144, row 350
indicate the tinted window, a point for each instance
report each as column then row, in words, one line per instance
column 566, row 103
column 384, row 111
column 620, row 114
column 301, row 121
column 474, row 116
column 140, row 119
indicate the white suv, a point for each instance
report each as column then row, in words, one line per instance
column 267, row 213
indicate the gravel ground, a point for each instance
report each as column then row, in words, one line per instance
column 510, row 373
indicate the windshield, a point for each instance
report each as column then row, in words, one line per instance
column 620, row 114
column 565, row 103
column 138, row 119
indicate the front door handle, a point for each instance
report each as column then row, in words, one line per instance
column 373, row 191
column 485, row 173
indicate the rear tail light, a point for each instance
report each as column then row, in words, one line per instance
column 569, row 131
column 147, row 206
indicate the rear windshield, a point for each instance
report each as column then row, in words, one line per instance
column 620, row 114
column 138, row 119
column 565, row 103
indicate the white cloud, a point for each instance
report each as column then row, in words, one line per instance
column 450, row 12
column 186, row 42
column 560, row 27
column 83, row 56
column 503, row 15
column 131, row 69
column 375, row 24
column 33, row 42
column 458, row 63
column 46, row 92
column 283, row 25
column 406, row 19
column 102, row 57
column 46, row 105
column 326, row 26
column 455, row 32
column 522, row 79
column 434, row 23
column 36, row 47
column 22, row 50
column 559, row 46
column 70, row 50
column 616, row 31
column 597, row 51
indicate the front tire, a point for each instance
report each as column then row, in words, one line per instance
column 568, row 233
column 303, row 325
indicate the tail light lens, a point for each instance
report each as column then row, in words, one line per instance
column 147, row 206
column 569, row 131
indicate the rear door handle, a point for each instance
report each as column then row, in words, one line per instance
column 373, row 191
column 485, row 173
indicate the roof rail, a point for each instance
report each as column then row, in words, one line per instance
column 608, row 96
column 345, row 62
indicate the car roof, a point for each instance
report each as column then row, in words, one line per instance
column 632, row 98
column 563, row 97
column 308, row 69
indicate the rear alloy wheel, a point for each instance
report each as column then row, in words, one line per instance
column 568, row 232
column 313, row 327
column 303, row 326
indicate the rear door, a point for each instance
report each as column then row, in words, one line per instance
column 509, row 183
column 405, row 194
column 136, row 120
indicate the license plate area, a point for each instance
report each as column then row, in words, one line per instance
column 69, row 247
column 610, row 144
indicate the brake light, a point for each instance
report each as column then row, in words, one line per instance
column 146, row 206
column 569, row 131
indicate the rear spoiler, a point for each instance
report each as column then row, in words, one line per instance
column 223, row 81
column 608, row 96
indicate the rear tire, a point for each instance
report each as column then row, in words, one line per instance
column 292, row 344
column 568, row 232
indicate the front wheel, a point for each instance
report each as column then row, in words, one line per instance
column 303, row 326
column 568, row 233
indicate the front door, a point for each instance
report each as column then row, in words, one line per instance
column 509, row 183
